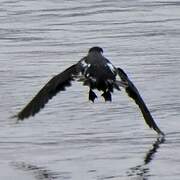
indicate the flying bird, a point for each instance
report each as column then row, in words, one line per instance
column 96, row 72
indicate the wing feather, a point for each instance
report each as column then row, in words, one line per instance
column 133, row 92
column 56, row 84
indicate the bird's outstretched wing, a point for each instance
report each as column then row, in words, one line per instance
column 133, row 92
column 55, row 85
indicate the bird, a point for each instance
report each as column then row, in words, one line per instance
column 98, row 73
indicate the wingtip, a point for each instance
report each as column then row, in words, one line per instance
column 16, row 118
column 160, row 133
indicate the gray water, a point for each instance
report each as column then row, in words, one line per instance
column 71, row 138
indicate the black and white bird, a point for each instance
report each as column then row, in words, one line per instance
column 96, row 72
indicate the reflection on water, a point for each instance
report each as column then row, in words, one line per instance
column 150, row 155
column 142, row 171
column 39, row 173
column 71, row 136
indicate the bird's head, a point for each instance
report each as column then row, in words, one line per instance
column 96, row 49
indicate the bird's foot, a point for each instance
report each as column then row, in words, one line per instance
column 92, row 95
column 107, row 96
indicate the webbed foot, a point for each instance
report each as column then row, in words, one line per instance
column 92, row 95
column 107, row 96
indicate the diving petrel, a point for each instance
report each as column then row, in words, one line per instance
column 96, row 72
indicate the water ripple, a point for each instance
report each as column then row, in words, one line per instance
column 72, row 137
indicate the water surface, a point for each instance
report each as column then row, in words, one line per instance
column 72, row 138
